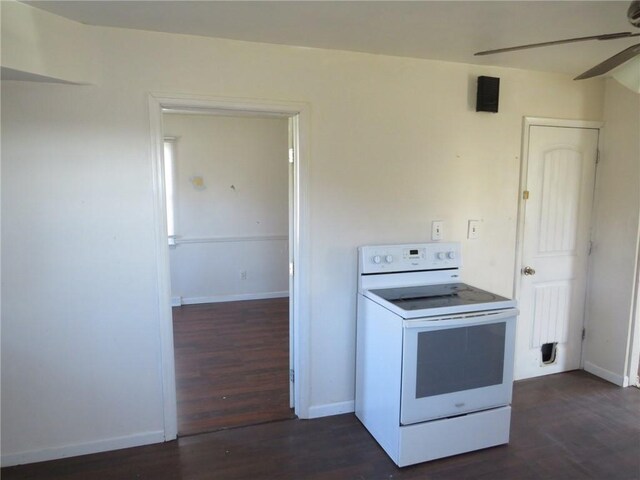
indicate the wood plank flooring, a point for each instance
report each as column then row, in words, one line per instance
column 232, row 364
column 566, row 426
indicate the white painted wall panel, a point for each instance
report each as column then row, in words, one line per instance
column 550, row 313
column 613, row 263
column 37, row 44
column 209, row 272
column 560, row 196
column 80, row 338
column 243, row 163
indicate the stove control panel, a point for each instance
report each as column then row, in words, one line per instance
column 409, row 257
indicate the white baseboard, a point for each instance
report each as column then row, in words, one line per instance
column 329, row 409
column 82, row 448
column 620, row 380
column 233, row 298
column 176, row 301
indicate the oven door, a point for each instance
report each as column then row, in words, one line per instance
column 457, row 364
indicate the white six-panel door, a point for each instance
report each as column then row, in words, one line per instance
column 560, row 175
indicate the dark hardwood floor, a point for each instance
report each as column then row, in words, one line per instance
column 566, row 426
column 232, row 364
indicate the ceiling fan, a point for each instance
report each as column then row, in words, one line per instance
column 633, row 14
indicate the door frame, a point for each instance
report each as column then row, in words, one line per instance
column 527, row 123
column 298, row 114
column 633, row 365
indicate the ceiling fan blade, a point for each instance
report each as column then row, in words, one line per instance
column 611, row 62
column 606, row 36
column 633, row 14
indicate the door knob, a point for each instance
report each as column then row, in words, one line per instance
column 528, row 271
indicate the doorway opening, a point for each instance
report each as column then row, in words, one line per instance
column 250, row 322
column 227, row 193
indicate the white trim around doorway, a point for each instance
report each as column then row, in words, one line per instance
column 633, row 362
column 299, row 232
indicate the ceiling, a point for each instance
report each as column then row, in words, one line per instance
column 442, row 30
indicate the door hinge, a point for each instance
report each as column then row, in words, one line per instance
column 525, row 195
column 291, row 155
column 590, row 247
column 597, row 156
column 584, row 333
column 291, row 269
column 292, row 376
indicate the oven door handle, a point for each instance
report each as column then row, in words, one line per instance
column 471, row 318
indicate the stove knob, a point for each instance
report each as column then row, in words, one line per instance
column 388, row 259
column 376, row 259
column 451, row 255
column 441, row 256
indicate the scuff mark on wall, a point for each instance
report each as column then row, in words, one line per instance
column 198, row 182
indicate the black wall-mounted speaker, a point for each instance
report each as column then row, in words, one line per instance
column 488, row 94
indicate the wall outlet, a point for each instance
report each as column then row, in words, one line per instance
column 473, row 231
column 243, row 275
column 436, row 230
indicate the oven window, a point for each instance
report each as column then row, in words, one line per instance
column 458, row 359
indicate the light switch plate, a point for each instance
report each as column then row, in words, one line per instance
column 473, row 232
column 436, row 230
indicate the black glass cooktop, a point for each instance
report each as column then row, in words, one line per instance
column 437, row 296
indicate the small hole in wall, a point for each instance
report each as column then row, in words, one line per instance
column 548, row 351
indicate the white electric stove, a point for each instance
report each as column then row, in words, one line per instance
column 434, row 362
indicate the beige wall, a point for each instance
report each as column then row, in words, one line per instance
column 394, row 143
column 613, row 266
column 39, row 45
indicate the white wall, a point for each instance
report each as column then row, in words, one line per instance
column 394, row 143
column 613, row 263
column 239, row 221
column 42, row 46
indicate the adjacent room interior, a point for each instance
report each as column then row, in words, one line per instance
column 227, row 196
